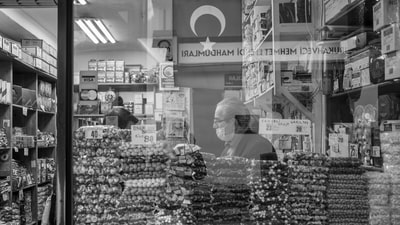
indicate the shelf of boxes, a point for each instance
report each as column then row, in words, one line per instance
column 25, row 78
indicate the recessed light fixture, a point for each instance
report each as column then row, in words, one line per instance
column 95, row 30
column 80, row 2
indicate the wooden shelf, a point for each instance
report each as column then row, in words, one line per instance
column 26, row 187
column 21, row 107
column 126, row 87
column 50, row 146
column 46, row 113
column 384, row 87
column 44, row 183
column 350, row 15
column 88, row 115
column 21, row 67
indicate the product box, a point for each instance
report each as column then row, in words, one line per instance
column 138, row 109
column 390, row 38
column 148, row 109
column 92, row 65
column 35, row 42
column 120, row 65
column 46, row 67
column 340, row 147
column 357, row 41
column 1, row 42
column 16, row 49
column 52, row 61
column 6, row 45
column 101, row 76
column 88, row 107
column 37, row 63
column 359, row 69
column 53, row 71
column 28, row 98
column 110, row 77
column 39, row 171
column 33, row 51
column 17, row 95
column 119, row 77
column 333, row 7
column 385, row 12
column 101, row 65
column 392, row 65
column 110, row 65
column 127, row 78
column 43, row 165
column 53, row 51
column 27, row 58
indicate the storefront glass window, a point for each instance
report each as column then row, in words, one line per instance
column 235, row 112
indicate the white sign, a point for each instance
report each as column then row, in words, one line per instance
column 144, row 134
column 94, row 133
column 285, row 126
column 232, row 52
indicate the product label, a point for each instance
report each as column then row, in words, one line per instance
column 94, row 133
column 376, row 151
column 144, row 134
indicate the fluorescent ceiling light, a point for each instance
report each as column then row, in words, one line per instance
column 86, row 30
column 105, row 31
column 95, row 31
column 80, row 2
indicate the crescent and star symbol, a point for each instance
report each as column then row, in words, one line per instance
column 207, row 10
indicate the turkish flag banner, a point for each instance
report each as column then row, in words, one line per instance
column 207, row 20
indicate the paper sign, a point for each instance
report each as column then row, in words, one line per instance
column 94, row 133
column 167, row 79
column 285, row 126
column 376, row 151
column 24, row 111
column 6, row 123
column 16, row 149
column 26, row 151
column 174, row 101
column 144, row 134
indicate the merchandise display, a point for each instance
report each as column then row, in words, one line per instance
column 43, row 192
column 347, row 192
column 45, row 139
column 3, row 139
column 97, row 179
column 308, row 179
column 269, row 192
column 10, row 215
column 26, row 210
column 21, row 175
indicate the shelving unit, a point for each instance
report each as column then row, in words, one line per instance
column 122, row 86
column 31, row 119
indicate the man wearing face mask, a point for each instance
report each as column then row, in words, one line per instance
column 232, row 123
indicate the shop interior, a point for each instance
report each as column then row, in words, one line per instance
column 319, row 80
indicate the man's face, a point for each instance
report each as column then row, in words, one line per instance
column 219, row 118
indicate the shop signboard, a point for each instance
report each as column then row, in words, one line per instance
column 232, row 52
column 284, row 126
column 233, row 81
column 145, row 134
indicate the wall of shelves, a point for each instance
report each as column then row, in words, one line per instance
column 32, row 119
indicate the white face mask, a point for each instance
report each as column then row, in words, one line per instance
column 227, row 132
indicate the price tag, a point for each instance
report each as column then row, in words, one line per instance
column 16, row 149
column 24, row 111
column 26, row 151
column 284, row 126
column 5, row 197
column 94, row 133
column 376, row 151
column 144, row 134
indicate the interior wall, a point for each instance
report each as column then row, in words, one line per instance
column 204, row 103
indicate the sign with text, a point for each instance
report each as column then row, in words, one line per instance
column 94, row 133
column 284, row 126
column 233, row 81
column 144, row 134
column 232, row 52
column 167, row 78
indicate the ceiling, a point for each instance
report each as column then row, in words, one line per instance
column 128, row 20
